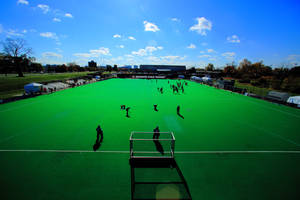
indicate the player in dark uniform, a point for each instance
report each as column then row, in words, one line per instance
column 99, row 132
column 155, row 107
column 127, row 112
column 156, row 133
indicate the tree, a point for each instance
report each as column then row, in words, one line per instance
column 192, row 70
column 108, row 68
column 279, row 74
column 295, row 71
column 36, row 67
column 18, row 50
column 229, row 70
column 115, row 68
column 209, row 67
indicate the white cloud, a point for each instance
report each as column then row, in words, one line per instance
column 58, row 50
column 117, row 36
column 140, row 52
column 100, row 51
column 49, row 35
column 86, row 55
column 12, row 32
column 147, row 50
column 131, row 38
column 191, row 46
column 94, row 53
column 204, row 44
column 150, row 27
column 129, row 56
column 153, row 59
column 44, row 8
column 202, row 51
column 182, row 58
column 24, row 31
column 294, row 57
column 56, row 19
column 233, row 39
column 69, row 15
column 174, row 19
column 122, row 46
column 23, row 2
column 51, row 55
column 170, row 57
column 229, row 55
column 150, row 49
column 212, row 59
column 202, row 26
column 210, row 51
column 204, row 56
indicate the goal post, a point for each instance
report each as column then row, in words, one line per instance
column 143, row 145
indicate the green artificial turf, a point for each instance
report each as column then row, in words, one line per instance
column 214, row 120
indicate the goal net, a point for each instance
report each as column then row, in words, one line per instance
column 143, row 145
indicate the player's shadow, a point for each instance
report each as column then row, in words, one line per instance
column 157, row 178
column 97, row 144
column 159, row 147
column 180, row 115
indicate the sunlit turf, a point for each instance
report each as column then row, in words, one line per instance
column 214, row 120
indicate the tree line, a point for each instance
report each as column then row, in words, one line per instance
column 258, row 74
column 16, row 57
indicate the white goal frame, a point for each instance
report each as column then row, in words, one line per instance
column 151, row 154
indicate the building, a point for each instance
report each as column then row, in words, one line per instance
column 92, row 64
column 163, row 68
column 225, row 84
column 277, row 96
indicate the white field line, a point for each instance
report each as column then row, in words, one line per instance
column 237, row 152
column 177, row 152
column 59, row 151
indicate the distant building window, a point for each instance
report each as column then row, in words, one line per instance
column 163, row 68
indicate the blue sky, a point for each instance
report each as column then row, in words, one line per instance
column 188, row 32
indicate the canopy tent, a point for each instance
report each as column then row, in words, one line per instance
column 50, row 87
column 57, row 85
column 294, row 100
column 206, row 79
column 33, row 88
column 195, row 78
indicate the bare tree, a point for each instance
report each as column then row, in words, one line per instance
column 18, row 50
column 209, row 67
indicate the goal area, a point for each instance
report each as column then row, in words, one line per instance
column 143, row 145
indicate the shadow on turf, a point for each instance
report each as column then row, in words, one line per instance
column 157, row 179
column 159, row 147
column 97, row 144
column 180, row 115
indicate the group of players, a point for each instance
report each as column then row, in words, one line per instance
column 177, row 87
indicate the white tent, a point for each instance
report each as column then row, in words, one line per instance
column 206, row 79
column 294, row 100
column 195, row 78
column 32, row 88
column 57, row 85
